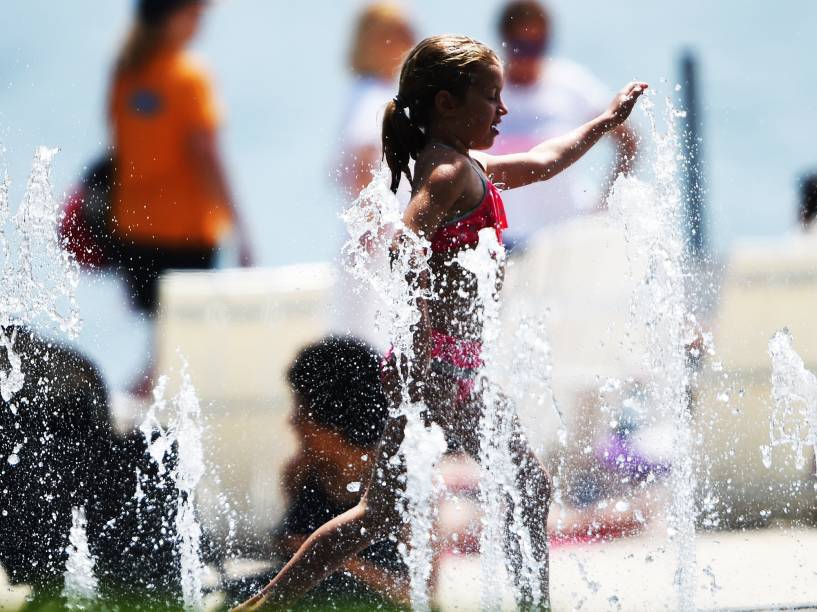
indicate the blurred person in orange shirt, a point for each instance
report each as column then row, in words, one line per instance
column 171, row 202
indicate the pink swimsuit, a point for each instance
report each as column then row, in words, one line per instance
column 464, row 231
column 451, row 355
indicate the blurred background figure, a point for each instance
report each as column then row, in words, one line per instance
column 338, row 414
column 547, row 96
column 60, row 451
column 382, row 36
column 172, row 204
column 56, row 435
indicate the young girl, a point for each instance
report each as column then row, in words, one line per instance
column 448, row 108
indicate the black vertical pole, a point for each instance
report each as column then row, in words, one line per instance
column 693, row 168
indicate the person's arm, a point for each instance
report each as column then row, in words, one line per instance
column 390, row 584
column 203, row 149
column 548, row 158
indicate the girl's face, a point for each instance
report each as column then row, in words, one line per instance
column 482, row 108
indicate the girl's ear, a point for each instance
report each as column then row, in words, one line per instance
column 445, row 102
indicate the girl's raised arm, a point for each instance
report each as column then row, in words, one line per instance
column 547, row 159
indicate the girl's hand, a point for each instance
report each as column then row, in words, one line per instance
column 623, row 104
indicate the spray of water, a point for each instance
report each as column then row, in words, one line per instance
column 651, row 217
column 184, row 434
column 80, row 589
column 39, row 276
column 793, row 421
column 498, row 482
column 374, row 224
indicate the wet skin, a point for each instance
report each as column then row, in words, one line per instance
column 473, row 126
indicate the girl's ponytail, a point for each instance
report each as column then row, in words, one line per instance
column 402, row 140
column 437, row 63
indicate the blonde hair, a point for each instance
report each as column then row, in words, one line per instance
column 438, row 63
column 373, row 16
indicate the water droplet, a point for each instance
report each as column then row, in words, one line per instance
column 13, row 459
column 766, row 456
column 353, row 487
column 622, row 506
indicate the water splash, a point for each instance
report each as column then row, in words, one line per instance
column 651, row 216
column 39, row 276
column 183, row 434
column 531, row 363
column 499, row 475
column 80, row 589
column 421, row 449
column 372, row 221
column 13, row 380
column 374, row 225
column 793, row 421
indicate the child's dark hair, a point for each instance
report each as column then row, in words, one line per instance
column 437, row 63
column 338, row 377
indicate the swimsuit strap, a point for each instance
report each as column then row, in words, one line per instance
column 477, row 167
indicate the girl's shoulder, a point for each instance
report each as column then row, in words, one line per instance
column 441, row 160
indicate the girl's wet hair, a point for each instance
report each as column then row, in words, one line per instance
column 438, row 63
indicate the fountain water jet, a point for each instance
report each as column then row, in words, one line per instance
column 651, row 217
column 498, row 481
column 183, row 434
column 373, row 221
column 81, row 585
column 40, row 280
column 794, row 392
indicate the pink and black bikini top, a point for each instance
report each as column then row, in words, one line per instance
column 463, row 231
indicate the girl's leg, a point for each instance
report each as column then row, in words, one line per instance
column 372, row 519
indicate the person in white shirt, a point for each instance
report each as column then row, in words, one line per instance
column 548, row 96
column 383, row 35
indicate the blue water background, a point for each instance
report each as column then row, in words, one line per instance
column 280, row 69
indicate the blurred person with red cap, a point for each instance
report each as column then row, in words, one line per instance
column 547, row 96
column 171, row 201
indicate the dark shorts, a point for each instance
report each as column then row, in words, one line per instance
column 141, row 266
